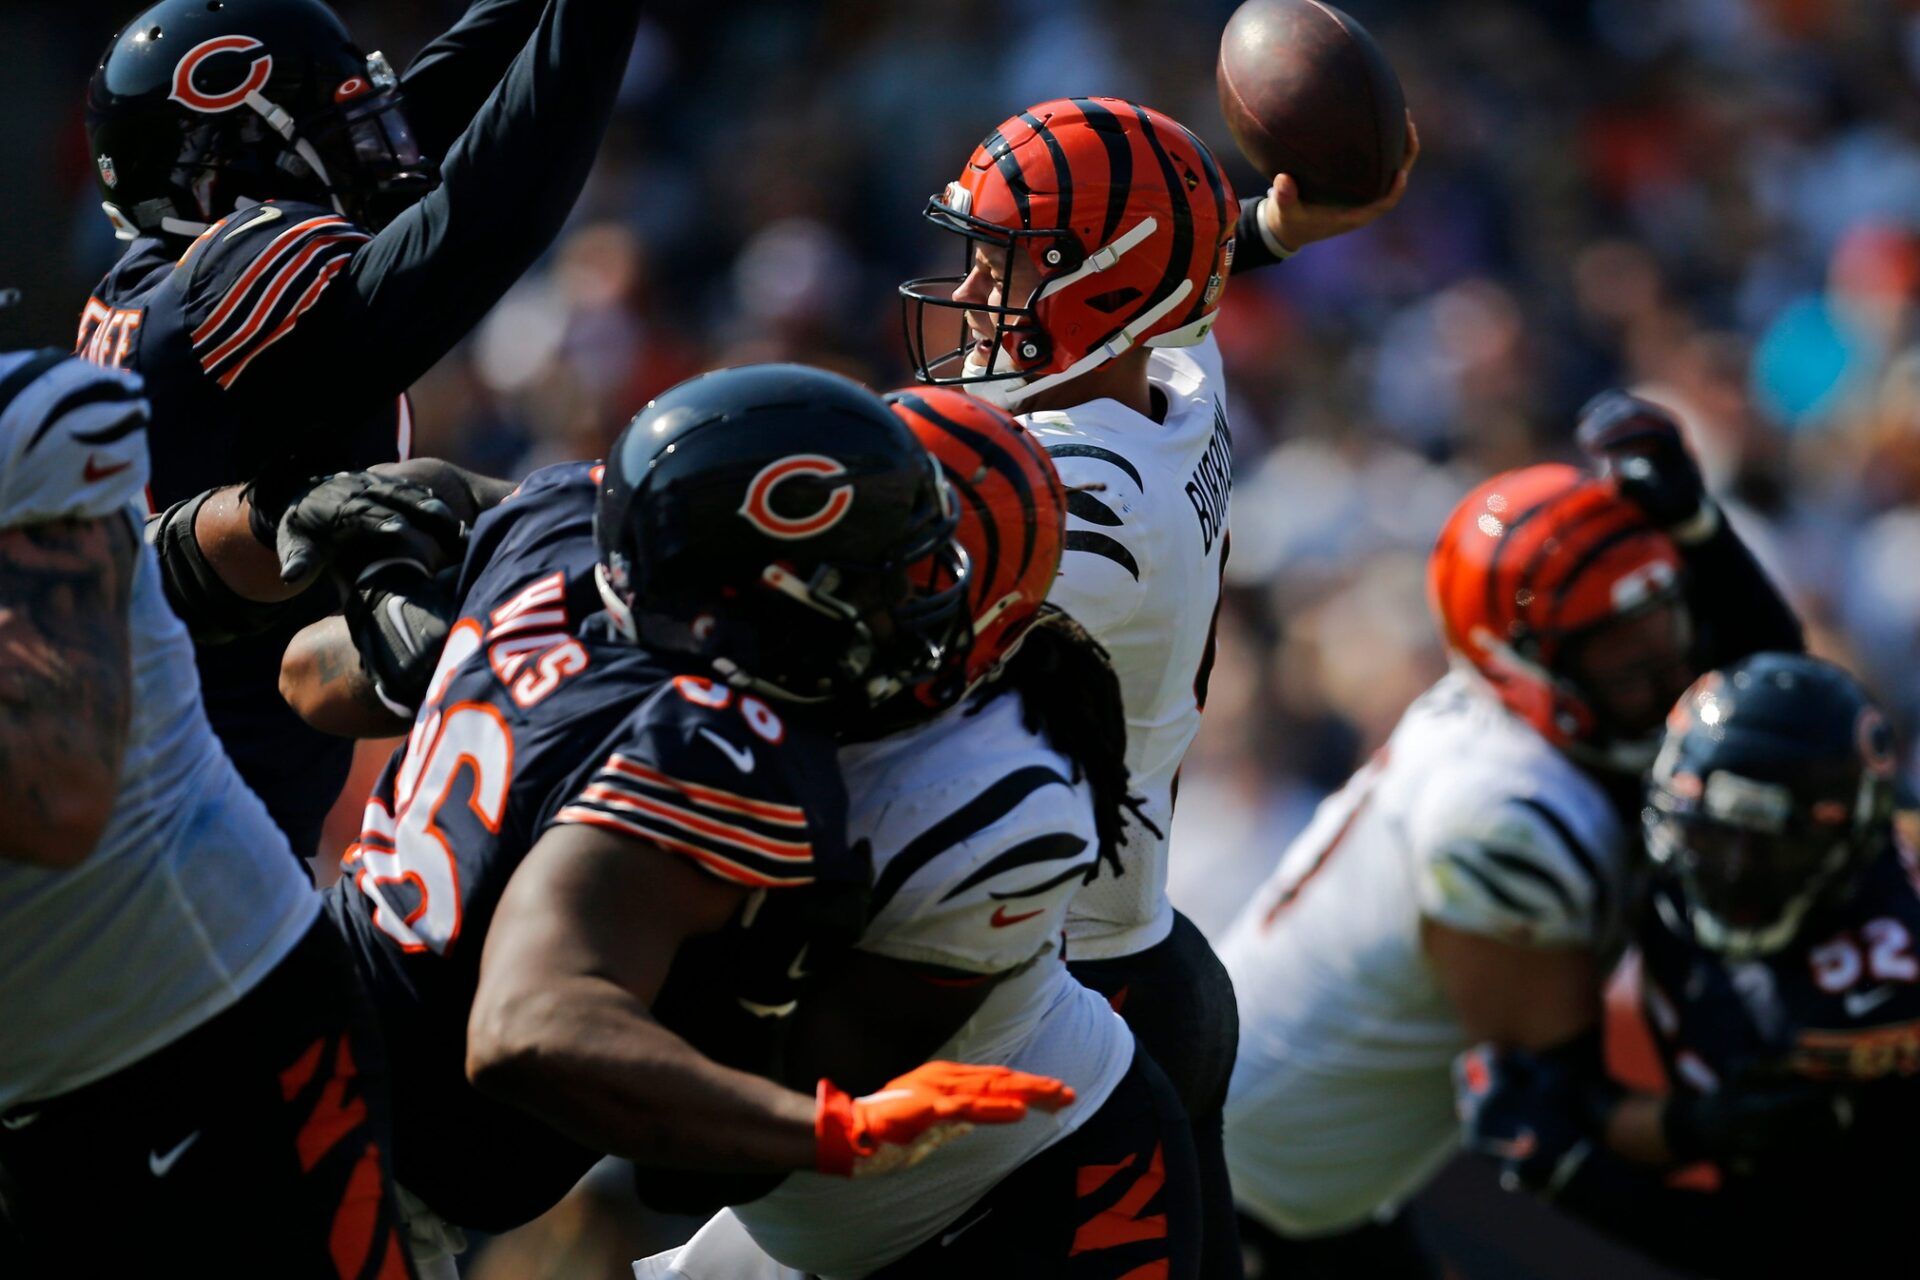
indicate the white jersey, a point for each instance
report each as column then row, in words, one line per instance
column 1342, row 1101
column 192, row 895
column 1146, row 543
column 980, row 838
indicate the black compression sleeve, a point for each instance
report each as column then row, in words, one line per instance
column 1735, row 606
column 1250, row 250
column 447, row 81
column 507, row 186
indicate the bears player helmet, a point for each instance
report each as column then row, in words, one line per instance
column 1124, row 215
column 765, row 519
column 198, row 104
column 1772, row 791
column 1013, row 515
column 1528, row 565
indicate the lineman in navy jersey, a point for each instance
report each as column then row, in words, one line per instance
column 303, row 247
column 585, row 889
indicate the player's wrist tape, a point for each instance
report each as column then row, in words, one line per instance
column 214, row 613
column 1275, row 245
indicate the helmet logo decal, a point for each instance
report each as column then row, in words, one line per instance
column 107, row 174
column 758, row 507
column 189, row 95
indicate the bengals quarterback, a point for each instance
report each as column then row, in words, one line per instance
column 307, row 232
column 1097, row 237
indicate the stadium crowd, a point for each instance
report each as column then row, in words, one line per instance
column 1714, row 202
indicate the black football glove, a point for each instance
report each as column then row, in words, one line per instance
column 1531, row 1114
column 399, row 615
column 1638, row 445
column 1739, row 1124
column 351, row 520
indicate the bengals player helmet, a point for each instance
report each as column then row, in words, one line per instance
column 1773, row 791
column 1124, row 215
column 1013, row 516
column 1529, row 564
column 198, row 104
column 766, row 521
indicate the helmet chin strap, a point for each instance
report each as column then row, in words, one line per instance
column 616, row 607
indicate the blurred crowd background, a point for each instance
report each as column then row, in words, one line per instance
column 1715, row 202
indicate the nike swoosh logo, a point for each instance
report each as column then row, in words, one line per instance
column 93, row 472
column 957, row 1232
column 742, row 757
column 1001, row 919
column 397, row 615
column 265, row 215
column 768, row 1010
column 162, row 1165
column 1859, row 1002
column 798, row 969
column 19, row 1121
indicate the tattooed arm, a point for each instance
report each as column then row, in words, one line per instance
column 322, row 678
column 65, row 675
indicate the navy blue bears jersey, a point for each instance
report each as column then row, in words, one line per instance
column 218, row 338
column 538, row 715
column 1841, row 1008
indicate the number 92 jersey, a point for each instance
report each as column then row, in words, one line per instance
column 538, row 715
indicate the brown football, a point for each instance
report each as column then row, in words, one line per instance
column 1307, row 92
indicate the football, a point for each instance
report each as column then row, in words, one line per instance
column 1306, row 91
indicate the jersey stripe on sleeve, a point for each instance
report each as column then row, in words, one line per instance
column 753, row 842
column 283, row 283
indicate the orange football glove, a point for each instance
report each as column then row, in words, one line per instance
column 912, row 1114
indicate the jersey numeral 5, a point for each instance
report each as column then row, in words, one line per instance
column 1883, row 951
column 410, row 845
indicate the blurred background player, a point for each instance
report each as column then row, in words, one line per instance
column 615, row 775
column 1476, row 879
column 1778, row 981
column 1098, row 235
column 303, row 245
column 984, row 820
column 186, row 1041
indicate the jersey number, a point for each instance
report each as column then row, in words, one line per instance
column 1883, row 952
column 410, row 846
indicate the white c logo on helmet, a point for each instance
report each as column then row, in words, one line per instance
column 258, row 71
column 758, row 507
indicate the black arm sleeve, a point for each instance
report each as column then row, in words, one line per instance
column 1250, row 250
column 1735, row 606
column 447, row 81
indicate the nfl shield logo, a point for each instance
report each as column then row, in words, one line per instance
column 106, row 171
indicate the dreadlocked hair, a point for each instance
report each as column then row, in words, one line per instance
column 1071, row 697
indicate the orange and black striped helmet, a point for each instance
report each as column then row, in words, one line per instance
column 1013, row 516
column 1531, row 561
column 1124, row 215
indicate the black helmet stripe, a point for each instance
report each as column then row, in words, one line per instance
column 971, row 496
column 997, row 146
column 1501, row 545
column 996, row 459
column 1181, row 258
column 1219, row 188
column 1106, row 126
column 1062, row 176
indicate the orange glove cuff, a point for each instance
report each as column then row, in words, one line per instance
column 834, row 1128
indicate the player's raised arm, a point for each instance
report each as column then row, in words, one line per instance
column 450, row 79
column 561, row 1026
column 72, row 456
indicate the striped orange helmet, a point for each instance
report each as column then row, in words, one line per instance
column 1125, row 217
column 1532, row 561
column 1013, row 516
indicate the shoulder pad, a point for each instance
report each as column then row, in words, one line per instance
column 73, row 441
column 249, row 278
column 1519, row 868
column 701, row 770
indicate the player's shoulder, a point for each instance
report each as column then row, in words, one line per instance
column 943, row 802
column 543, row 528
column 1507, row 834
column 248, row 279
column 747, row 789
column 72, row 438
